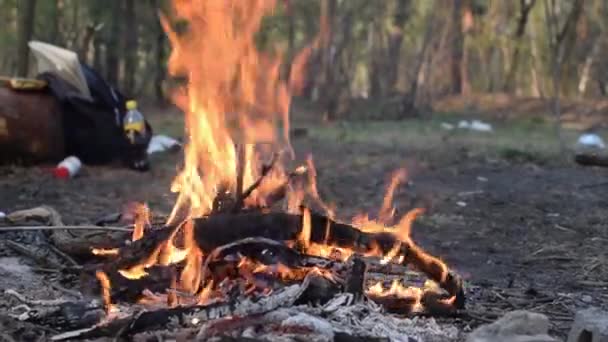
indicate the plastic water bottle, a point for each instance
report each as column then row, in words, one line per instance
column 134, row 122
column 68, row 168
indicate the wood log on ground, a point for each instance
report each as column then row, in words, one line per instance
column 591, row 159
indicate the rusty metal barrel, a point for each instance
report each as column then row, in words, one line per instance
column 31, row 128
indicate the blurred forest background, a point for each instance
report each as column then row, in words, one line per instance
column 404, row 54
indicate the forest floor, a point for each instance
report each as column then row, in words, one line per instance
column 523, row 224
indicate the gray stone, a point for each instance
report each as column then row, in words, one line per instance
column 590, row 325
column 514, row 326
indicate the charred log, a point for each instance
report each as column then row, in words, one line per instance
column 189, row 316
column 356, row 278
column 223, row 229
column 591, row 160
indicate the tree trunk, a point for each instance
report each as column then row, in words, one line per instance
column 561, row 40
column 375, row 68
column 27, row 11
column 457, row 47
column 113, row 43
column 419, row 75
column 586, row 70
column 130, row 47
column 54, row 19
column 159, row 62
column 328, row 9
column 395, row 41
column 291, row 37
column 522, row 22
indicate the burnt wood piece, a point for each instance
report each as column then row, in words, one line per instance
column 319, row 291
column 71, row 315
column 355, row 279
column 190, row 316
column 224, row 228
column 221, row 229
column 158, row 279
column 433, row 304
column 591, row 159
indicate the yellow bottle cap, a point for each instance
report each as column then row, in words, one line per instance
column 131, row 104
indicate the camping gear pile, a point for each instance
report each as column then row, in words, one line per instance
column 70, row 110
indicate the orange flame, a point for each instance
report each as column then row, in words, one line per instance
column 104, row 281
column 387, row 211
column 399, row 291
column 142, row 220
column 234, row 96
column 304, row 236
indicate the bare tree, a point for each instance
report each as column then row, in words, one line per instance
column 27, row 11
column 130, row 46
column 525, row 6
column 462, row 21
column 113, row 43
column 560, row 41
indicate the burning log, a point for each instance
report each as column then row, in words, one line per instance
column 211, row 232
column 591, row 159
column 223, row 228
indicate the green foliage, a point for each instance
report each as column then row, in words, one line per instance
column 361, row 33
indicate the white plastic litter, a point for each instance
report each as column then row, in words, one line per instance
column 68, row 167
column 447, row 126
column 480, row 126
column 2, row 215
column 160, row 143
column 591, row 140
column 464, row 124
column 475, row 125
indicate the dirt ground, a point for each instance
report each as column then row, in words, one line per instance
column 524, row 233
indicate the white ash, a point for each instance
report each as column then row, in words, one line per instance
column 361, row 319
column 369, row 319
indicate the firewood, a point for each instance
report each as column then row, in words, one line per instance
column 224, row 228
column 190, row 316
column 211, row 232
column 591, row 159
column 355, row 280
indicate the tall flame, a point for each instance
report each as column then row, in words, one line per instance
column 234, row 96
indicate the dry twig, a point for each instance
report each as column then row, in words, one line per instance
column 34, row 302
column 23, row 228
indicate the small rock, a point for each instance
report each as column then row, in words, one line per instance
column 587, row 299
column 515, row 326
column 590, row 325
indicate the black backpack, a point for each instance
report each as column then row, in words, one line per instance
column 93, row 128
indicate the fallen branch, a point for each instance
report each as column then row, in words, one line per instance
column 36, row 302
column 591, row 160
column 40, row 259
column 23, row 228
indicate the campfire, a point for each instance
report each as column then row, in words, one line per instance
column 249, row 233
